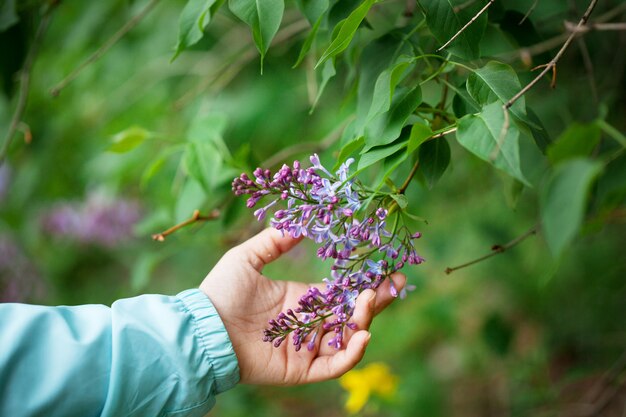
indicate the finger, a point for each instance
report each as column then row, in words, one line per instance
column 364, row 310
column 333, row 366
column 385, row 295
column 265, row 247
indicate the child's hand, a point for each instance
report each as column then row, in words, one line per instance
column 246, row 300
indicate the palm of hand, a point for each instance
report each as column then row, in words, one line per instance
column 246, row 300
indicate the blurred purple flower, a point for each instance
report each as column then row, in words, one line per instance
column 5, row 181
column 19, row 279
column 97, row 221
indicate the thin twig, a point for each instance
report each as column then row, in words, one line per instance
column 584, row 52
column 406, row 183
column 555, row 41
column 529, row 12
column 550, row 66
column 25, row 73
column 495, row 250
column 473, row 19
column 505, row 129
column 408, row 179
column 103, row 49
column 296, row 149
column 196, row 217
column 617, row 26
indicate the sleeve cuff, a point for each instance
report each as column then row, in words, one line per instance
column 213, row 338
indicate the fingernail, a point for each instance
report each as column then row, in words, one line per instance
column 367, row 338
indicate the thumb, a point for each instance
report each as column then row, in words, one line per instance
column 265, row 247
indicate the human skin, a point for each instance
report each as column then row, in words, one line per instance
column 246, row 300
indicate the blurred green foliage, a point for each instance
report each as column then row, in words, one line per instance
column 525, row 332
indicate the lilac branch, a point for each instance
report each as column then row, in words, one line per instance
column 495, row 250
column 550, row 66
column 196, row 217
column 473, row 19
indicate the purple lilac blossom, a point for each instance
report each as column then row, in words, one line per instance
column 5, row 181
column 98, row 221
column 328, row 209
column 19, row 279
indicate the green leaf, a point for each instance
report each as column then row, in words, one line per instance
column 419, row 134
column 313, row 9
column 152, row 169
column 496, row 81
column 308, row 42
column 376, row 57
column 142, row 270
column 414, row 217
column 538, row 131
column 209, row 128
column 390, row 164
column 401, row 199
column 8, row 15
column 194, row 19
column 379, row 153
column 328, row 72
column 463, row 103
column 612, row 132
column 434, row 157
column 202, row 162
column 191, row 197
column 512, row 190
column 480, row 134
column 577, row 140
column 386, row 86
column 263, row 17
column 347, row 150
column 386, row 127
column 129, row 139
column 564, row 199
column 345, row 33
column 444, row 23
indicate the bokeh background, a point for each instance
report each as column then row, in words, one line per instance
column 519, row 334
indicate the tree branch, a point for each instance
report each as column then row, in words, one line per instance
column 24, row 78
column 529, row 12
column 196, row 217
column 472, row 20
column 525, row 53
column 617, row 26
column 54, row 91
column 551, row 66
column 495, row 250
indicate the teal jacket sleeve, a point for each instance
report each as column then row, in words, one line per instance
column 151, row 355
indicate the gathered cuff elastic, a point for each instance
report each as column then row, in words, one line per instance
column 213, row 337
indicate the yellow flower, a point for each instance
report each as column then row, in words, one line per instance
column 375, row 378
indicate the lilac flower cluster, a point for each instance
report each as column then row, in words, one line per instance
column 98, row 221
column 329, row 210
